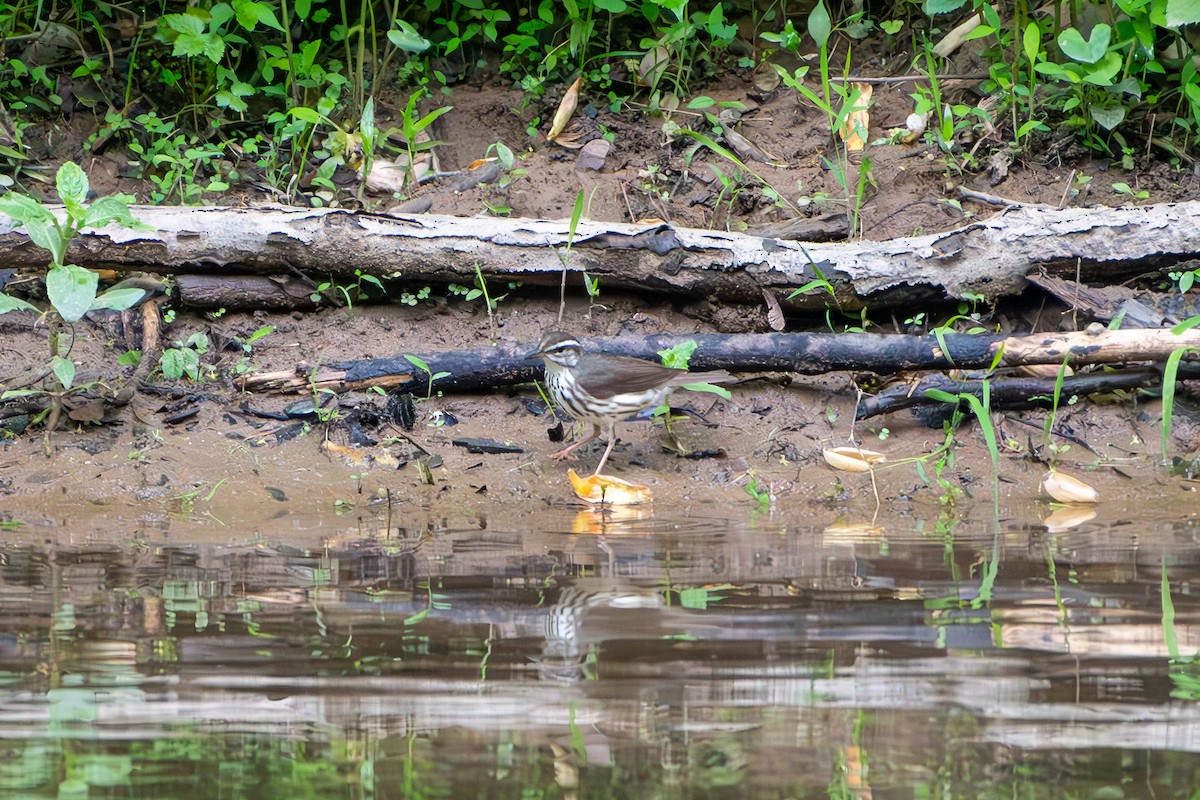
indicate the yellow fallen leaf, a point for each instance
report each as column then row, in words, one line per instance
column 1066, row 489
column 1068, row 517
column 607, row 489
column 852, row 459
column 352, row 454
column 610, row 520
column 858, row 121
column 566, row 108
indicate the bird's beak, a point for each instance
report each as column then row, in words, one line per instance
column 536, row 354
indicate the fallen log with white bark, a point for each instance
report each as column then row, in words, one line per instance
column 988, row 258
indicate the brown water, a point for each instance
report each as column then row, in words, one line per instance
column 653, row 657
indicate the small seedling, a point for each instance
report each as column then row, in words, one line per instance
column 417, row 362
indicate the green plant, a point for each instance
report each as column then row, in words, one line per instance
column 420, row 364
column 412, row 131
column 411, row 299
column 183, row 360
column 349, row 293
column 481, row 290
column 759, row 493
column 591, row 285
column 70, row 289
column 243, row 364
column 177, row 163
column 1124, row 189
column 678, row 357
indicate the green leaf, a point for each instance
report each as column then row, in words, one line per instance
column 305, row 114
column 250, row 14
column 118, row 299
column 1087, row 52
column 1031, row 42
column 611, row 6
column 1103, row 73
column 183, row 23
column 819, row 24
column 171, row 364
column 64, row 370
column 934, row 7
column 679, row 356
column 9, row 303
column 106, row 210
column 71, row 290
column 1107, row 117
column 1182, row 12
column 417, row 362
column 720, row 391
column 42, row 227
column 22, row 208
column 405, row 37
column 72, row 184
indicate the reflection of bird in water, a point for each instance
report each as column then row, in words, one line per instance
column 590, row 612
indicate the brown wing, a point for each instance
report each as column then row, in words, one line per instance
column 606, row 376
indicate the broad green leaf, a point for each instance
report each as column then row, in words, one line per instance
column 71, row 290
column 1032, row 41
column 366, row 123
column 819, row 24
column 40, row 225
column 250, row 13
column 405, row 37
column 611, row 6
column 48, row 237
column 64, row 370
column 934, row 7
column 1107, row 117
column 22, row 208
column 183, row 23
column 1183, row 12
column 305, row 114
column 72, row 185
column 9, row 303
column 171, row 364
column 711, row 388
column 106, row 210
column 678, row 356
column 1103, row 73
column 1086, row 51
column 118, row 299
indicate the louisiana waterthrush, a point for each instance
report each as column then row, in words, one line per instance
column 605, row 389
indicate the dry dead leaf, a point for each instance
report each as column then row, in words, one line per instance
column 746, row 150
column 774, row 312
column 609, row 490
column 566, row 108
column 955, row 38
column 858, row 122
column 852, row 459
column 1066, row 489
column 653, row 66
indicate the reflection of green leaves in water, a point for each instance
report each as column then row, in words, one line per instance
column 1185, row 672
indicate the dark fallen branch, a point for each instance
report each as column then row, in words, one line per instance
column 1017, row 392
column 504, row 365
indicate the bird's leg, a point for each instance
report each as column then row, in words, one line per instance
column 566, row 452
column 611, row 441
